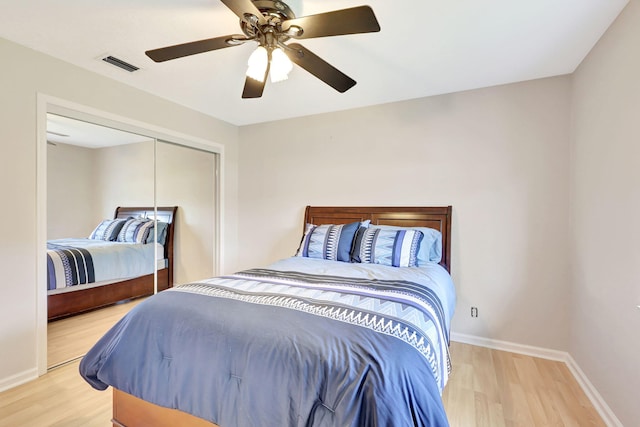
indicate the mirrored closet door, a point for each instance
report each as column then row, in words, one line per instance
column 96, row 174
column 92, row 170
column 186, row 177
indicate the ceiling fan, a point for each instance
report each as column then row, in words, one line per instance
column 271, row 23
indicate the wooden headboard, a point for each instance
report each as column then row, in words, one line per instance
column 438, row 218
column 165, row 214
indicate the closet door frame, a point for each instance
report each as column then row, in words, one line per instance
column 49, row 104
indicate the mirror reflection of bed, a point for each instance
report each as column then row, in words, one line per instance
column 86, row 184
column 113, row 265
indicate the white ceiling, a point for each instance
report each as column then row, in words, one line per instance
column 425, row 47
column 63, row 130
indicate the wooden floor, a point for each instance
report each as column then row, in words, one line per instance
column 61, row 398
column 487, row 388
column 496, row 388
column 69, row 339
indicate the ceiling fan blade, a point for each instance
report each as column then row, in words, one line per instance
column 242, row 7
column 253, row 88
column 180, row 50
column 355, row 20
column 317, row 66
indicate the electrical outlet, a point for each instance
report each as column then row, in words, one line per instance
column 474, row 311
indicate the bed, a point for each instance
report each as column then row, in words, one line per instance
column 92, row 287
column 310, row 340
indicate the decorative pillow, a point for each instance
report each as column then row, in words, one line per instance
column 162, row 233
column 107, row 229
column 430, row 247
column 328, row 241
column 135, row 230
column 396, row 248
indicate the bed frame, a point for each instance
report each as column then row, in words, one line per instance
column 130, row 411
column 74, row 302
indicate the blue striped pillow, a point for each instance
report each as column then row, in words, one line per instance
column 162, row 233
column 107, row 230
column 396, row 248
column 430, row 247
column 135, row 230
column 328, row 241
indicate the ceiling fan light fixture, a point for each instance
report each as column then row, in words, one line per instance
column 281, row 66
column 258, row 62
column 271, row 23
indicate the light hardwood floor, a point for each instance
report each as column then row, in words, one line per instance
column 496, row 388
column 487, row 388
column 61, row 398
column 70, row 338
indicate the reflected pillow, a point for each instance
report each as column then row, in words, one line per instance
column 108, row 230
column 162, row 233
column 135, row 231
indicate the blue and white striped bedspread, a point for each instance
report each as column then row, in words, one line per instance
column 72, row 262
column 68, row 266
column 404, row 310
column 267, row 347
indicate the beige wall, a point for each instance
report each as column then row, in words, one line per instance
column 124, row 176
column 26, row 73
column 71, row 191
column 500, row 156
column 605, row 323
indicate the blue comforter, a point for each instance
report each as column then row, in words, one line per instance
column 277, row 348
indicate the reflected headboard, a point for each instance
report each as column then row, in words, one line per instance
column 165, row 213
column 438, row 218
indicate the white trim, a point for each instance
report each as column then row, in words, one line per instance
column 41, row 236
column 528, row 350
column 219, row 198
column 155, row 212
column 18, row 379
column 100, row 117
column 50, row 104
column 596, row 399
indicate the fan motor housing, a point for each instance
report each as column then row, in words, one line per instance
column 275, row 12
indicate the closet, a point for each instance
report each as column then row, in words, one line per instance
column 93, row 168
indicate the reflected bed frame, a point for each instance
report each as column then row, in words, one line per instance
column 75, row 302
column 131, row 411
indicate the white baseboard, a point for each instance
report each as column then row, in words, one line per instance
column 18, row 379
column 562, row 356
column 598, row 402
column 528, row 350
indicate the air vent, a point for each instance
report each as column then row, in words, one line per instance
column 120, row 63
